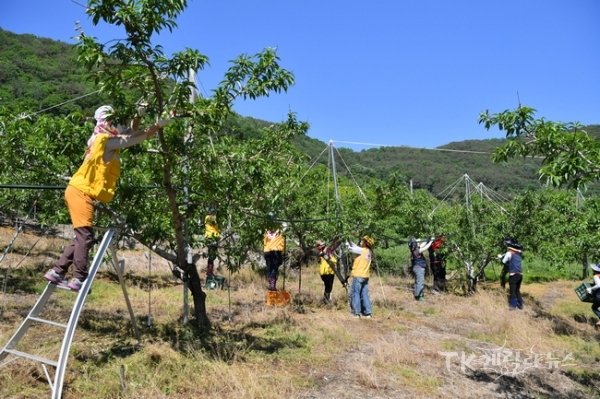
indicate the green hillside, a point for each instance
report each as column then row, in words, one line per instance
column 39, row 75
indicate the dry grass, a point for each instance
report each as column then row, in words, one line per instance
column 304, row 350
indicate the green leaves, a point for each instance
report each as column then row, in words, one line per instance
column 253, row 77
column 571, row 156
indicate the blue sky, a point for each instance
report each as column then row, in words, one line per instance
column 391, row 72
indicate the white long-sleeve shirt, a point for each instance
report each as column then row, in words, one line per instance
column 355, row 249
column 596, row 282
column 425, row 246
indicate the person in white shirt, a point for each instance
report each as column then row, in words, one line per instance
column 595, row 291
column 419, row 265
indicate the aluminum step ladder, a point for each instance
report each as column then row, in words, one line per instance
column 56, row 384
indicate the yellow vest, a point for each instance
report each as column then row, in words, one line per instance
column 212, row 227
column 96, row 178
column 274, row 241
column 324, row 267
column 362, row 264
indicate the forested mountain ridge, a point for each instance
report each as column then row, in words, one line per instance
column 38, row 74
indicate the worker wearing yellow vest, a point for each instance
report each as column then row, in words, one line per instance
column 327, row 261
column 361, row 271
column 274, row 245
column 212, row 235
column 96, row 179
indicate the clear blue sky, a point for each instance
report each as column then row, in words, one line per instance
column 394, row 72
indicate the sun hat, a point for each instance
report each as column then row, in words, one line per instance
column 595, row 267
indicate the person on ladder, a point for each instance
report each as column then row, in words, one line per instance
column 95, row 180
column 327, row 261
column 274, row 245
column 212, row 235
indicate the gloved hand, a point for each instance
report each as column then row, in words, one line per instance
column 589, row 290
column 141, row 110
column 500, row 256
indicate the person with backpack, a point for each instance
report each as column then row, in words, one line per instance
column 595, row 292
column 419, row 265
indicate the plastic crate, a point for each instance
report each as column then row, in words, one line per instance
column 278, row 298
column 214, row 282
column 582, row 293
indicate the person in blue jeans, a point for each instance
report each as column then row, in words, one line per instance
column 361, row 271
column 419, row 265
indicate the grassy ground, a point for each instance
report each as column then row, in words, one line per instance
column 446, row 347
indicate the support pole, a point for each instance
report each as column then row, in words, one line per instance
column 119, row 268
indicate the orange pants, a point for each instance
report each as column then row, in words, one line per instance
column 81, row 207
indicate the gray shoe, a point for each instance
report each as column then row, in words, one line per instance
column 75, row 284
column 56, row 278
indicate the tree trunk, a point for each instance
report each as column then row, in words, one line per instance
column 585, row 274
column 182, row 259
column 199, row 297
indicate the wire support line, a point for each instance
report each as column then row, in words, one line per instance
column 43, row 187
column 57, row 105
column 290, row 220
column 412, row 148
column 489, row 193
column 483, row 191
column 314, row 162
column 452, row 187
column 351, row 175
column 472, row 189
